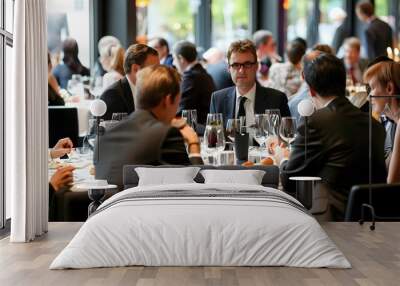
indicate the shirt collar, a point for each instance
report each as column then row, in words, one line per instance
column 251, row 94
column 329, row 102
column 191, row 65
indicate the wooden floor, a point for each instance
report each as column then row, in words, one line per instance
column 375, row 257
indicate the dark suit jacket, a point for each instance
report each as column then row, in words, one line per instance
column 196, row 88
column 378, row 36
column 224, row 101
column 337, row 148
column 340, row 35
column 118, row 98
column 138, row 140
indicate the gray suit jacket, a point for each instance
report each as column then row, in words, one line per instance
column 139, row 140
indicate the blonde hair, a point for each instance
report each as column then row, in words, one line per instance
column 385, row 72
column 117, row 62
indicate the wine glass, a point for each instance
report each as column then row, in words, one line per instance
column 233, row 126
column 287, row 129
column 191, row 117
column 214, row 137
column 261, row 129
column 272, row 131
column 118, row 116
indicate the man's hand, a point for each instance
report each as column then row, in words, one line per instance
column 63, row 146
column 188, row 134
column 280, row 153
column 63, row 177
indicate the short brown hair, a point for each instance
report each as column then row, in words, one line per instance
column 385, row 72
column 242, row 47
column 295, row 52
column 137, row 54
column 353, row 43
column 366, row 8
column 323, row 48
column 153, row 83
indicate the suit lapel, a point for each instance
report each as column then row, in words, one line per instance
column 127, row 96
column 230, row 103
column 260, row 100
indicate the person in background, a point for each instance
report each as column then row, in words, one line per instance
column 384, row 79
column 303, row 92
column 54, row 97
column 338, row 16
column 247, row 97
column 103, row 63
column 71, row 64
column 63, row 177
column 337, row 149
column 355, row 66
column 119, row 97
column 197, row 85
column 287, row 77
column 151, row 135
column 117, row 67
column 162, row 47
column 378, row 35
column 217, row 68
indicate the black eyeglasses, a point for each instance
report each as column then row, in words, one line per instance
column 245, row 65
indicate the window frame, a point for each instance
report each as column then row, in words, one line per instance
column 6, row 39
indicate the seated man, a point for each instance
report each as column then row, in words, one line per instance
column 355, row 65
column 337, row 136
column 247, row 97
column 119, row 97
column 150, row 135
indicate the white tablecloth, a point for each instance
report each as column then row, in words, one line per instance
column 83, row 107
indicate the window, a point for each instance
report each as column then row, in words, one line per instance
column 298, row 12
column 68, row 19
column 6, row 41
column 332, row 15
column 172, row 20
column 230, row 21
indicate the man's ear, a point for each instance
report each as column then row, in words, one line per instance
column 303, row 76
column 135, row 68
column 390, row 88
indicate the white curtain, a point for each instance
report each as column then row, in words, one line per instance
column 26, row 123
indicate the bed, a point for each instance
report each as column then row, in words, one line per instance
column 201, row 224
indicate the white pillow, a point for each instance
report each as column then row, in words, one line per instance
column 166, row 176
column 248, row 177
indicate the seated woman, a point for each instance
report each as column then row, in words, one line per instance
column 286, row 77
column 150, row 135
column 71, row 64
column 117, row 66
column 384, row 79
column 53, row 94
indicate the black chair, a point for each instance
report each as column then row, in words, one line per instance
column 63, row 122
column 385, row 200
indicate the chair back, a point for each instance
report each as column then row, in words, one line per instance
column 63, row 122
column 385, row 200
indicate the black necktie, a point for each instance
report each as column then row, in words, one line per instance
column 242, row 111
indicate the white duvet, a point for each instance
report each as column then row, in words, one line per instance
column 202, row 231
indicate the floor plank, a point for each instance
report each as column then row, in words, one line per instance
column 375, row 257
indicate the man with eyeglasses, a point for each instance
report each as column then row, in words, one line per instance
column 247, row 97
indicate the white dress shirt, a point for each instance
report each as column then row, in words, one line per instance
column 248, row 105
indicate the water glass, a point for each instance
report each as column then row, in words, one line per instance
column 233, row 126
column 191, row 117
